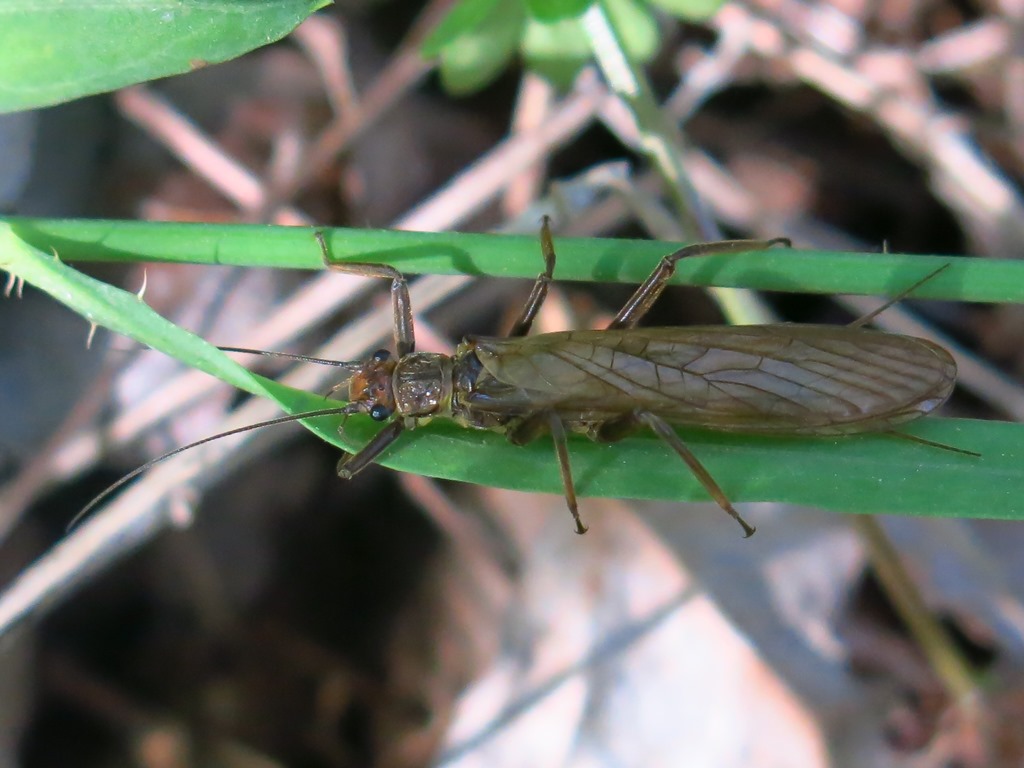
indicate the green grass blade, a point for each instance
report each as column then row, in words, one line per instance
column 589, row 259
column 855, row 474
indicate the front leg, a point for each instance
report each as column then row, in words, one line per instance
column 405, row 339
column 352, row 463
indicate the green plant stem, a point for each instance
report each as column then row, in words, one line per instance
column 663, row 143
column 660, row 140
column 938, row 647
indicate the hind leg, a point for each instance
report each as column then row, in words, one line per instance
column 612, row 431
column 649, row 291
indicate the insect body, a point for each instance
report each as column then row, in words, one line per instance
column 769, row 379
column 766, row 379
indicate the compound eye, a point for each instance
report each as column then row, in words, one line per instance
column 379, row 412
column 381, row 355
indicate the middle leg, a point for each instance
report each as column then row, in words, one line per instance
column 534, row 426
column 540, row 286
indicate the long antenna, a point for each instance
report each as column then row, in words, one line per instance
column 348, row 366
column 347, row 410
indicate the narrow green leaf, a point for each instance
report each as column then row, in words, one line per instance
column 117, row 310
column 854, row 474
column 127, row 314
column 52, row 52
column 994, row 280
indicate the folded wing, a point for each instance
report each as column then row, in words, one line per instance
column 811, row 379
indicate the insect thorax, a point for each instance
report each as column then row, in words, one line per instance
column 422, row 384
column 468, row 374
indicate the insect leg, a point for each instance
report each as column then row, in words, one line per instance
column 540, row 287
column 649, row 291
column 864, row 320
column 534, row 426
column 405, row 338
column 562, row 452
column 351, row 463
column 662, row 429
column 611, row 431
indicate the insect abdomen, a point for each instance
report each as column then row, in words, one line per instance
column 781, row 379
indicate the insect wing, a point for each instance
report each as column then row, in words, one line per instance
column 783, row 379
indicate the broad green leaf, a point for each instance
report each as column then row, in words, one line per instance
column 559, row 49
column 554, row 10
column 461, row 19
column 689, row 10
column 477, row 56
column 636, row 27
column 52, row 52
column 854, row 474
